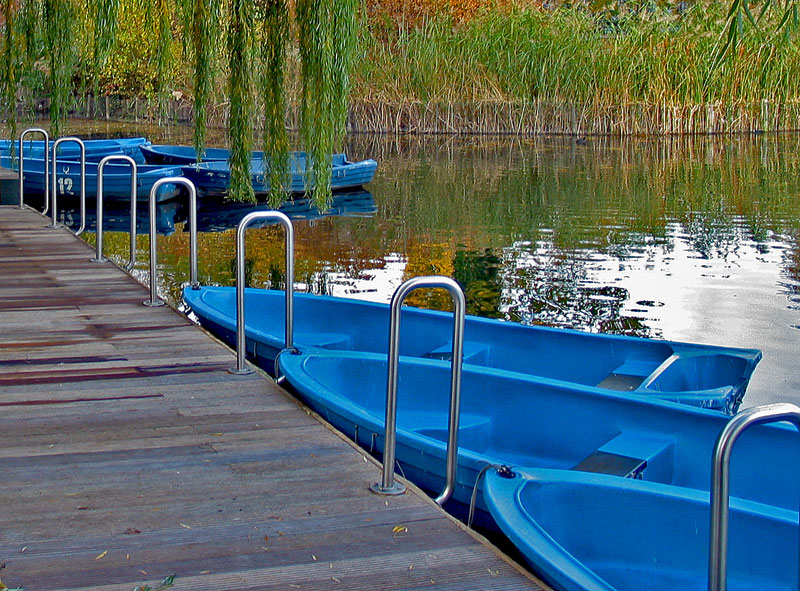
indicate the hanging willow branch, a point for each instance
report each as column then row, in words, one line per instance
column 158, row 11
column 204, row 19
column 274, row 39
column 240, row 94
column 105, row 33
column 10, row 68
column 58, row 21
column 326, row 30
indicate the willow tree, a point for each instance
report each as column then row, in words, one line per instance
column 274, row 19
column 103, row 37
column 240, row 94
column 59, row 18
column 259, row 33
column 9, row 68
column 203, row 17
column 326, row 39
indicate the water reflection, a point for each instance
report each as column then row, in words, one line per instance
column 692, row 239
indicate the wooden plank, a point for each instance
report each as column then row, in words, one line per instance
column 128, row 453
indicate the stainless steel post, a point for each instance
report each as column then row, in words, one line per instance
column 54, row 210
column 388, row 486
column 241, row 345
column 720, row 481
column 175, row 180
column 99, row 258
column 46, row 166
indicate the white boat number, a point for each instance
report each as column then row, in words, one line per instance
column 65, row 186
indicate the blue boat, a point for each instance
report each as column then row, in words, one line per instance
column 169, row 154
column 213, row 178
column 595, row 532
column 116, row 179
column 700, row 375
column 96, row 150
column 513, row 419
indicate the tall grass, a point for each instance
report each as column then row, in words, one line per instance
column 572, row 70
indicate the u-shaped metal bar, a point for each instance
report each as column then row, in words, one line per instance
column 241, row 344
column 720, row 481
column 388, row 486
column 154, row 300
column 46, row 167
column 54, row 208
column 99, row 258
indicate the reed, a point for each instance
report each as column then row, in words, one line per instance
column 572, row 71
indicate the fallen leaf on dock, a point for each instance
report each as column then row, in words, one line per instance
column 101, row 555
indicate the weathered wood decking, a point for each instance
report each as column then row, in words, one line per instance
column 128, row 454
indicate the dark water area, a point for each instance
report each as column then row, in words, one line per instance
column 691, row 239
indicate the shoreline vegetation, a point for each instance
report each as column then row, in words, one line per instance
column 509, row 67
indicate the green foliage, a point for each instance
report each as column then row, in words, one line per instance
column 327, row 38
column 648, row 54
column 105, row 32
column 9, row 69
column 204, row 20
column 59, row 18
column 274, row 39
column 240, row 94
column 130, row 67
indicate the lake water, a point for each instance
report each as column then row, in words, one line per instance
column 693, row 239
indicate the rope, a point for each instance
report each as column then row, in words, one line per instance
column 501, row 469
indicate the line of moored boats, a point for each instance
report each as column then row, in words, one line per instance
column 210, row 175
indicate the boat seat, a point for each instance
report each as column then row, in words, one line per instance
column 323, row 340
column 473, row 429
column 476, row 353
column 627, row 455
column 629, row 376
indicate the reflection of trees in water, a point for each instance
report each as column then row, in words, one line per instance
column 544, row 286
column 518, row 222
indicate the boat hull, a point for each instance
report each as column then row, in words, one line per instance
column 96, row 150
column 116, row 179
column 512, row 419
column 213, row 178
column 593, row 532
column 699, row 375
column 184, row 155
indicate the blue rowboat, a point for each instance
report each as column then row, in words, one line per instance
column 513, row 419
column 168, row 154
column 700, row 375
column 594, row 532
column 116, row 179
column 213, row 178
column 96, row 150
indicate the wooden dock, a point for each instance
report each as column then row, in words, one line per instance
column 129, row 454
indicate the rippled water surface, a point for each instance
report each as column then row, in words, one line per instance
column 685, row 239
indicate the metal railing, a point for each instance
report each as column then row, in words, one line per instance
column 720, row 481
column 99, row 258
column 388, row 486
column 46, row 167
column 54, row 191
column 154, row 300
column 241, row 368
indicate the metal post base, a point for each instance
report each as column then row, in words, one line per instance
column 241, row 372
column 100, row 260
column 394, row 490
column 153, row 303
